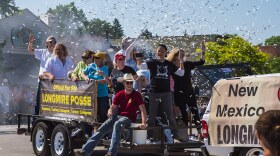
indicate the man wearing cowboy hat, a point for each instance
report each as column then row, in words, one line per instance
column 126, row 102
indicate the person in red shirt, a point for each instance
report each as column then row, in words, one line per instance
column 127, row 102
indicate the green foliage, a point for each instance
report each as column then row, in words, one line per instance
column 147, row 34
column 99, row 27
column 237, row 50
column 274, row 40
column 117, row 30
column 70, row 19
column 275, row 64
column 8, row 7
column 103, row 28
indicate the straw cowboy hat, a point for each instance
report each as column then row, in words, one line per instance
column 99, row 54
column 126, row 77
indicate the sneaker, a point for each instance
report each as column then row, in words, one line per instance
column 153, row 141
column 80, row 153
column 149, row 141
column 108, row 154
column 176, row 141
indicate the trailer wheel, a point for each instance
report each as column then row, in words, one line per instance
column 40, row 140
column 60, row 141
column 251, row 151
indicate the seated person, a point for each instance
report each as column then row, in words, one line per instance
column 126, row 102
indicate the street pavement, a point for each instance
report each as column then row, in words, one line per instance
column 12, row 144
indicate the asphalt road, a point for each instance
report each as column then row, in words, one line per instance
column 12, row 144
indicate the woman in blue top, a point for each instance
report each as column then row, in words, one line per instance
column 99, row 72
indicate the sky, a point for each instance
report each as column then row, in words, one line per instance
column 254, row 20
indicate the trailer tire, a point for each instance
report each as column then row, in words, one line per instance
column 60, row 141
column 40, row 142
column 250, row 151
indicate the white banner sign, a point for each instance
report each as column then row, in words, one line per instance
column 236, row 105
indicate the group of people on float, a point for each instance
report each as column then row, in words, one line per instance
column 128, row 76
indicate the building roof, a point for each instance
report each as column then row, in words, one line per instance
column 15, row 30
column 272, row 50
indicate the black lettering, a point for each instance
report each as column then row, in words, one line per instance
column 249, row 111
column 252, row 91
column 226, row 134
column 245, row 110
column 219, row 134
column 252, row 139
column 238, row 111
column 260, row 109
column 220, row 112
column 231, row 89
column 231, row 112
column 242, row 91
column 243, row 138
column 223, row 111
column 234, row 133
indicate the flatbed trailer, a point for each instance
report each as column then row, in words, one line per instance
column 59, row 128
column 75, row 139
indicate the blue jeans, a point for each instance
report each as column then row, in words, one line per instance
column 116, row 123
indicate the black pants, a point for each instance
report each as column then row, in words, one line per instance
column 184, row 98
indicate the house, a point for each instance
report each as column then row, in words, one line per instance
column 272, row 50
column 19, row 64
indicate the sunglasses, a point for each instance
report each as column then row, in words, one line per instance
column 85, row 58
column 97, row 57
column 120, row 59
column 129, row 82
column 51, row 42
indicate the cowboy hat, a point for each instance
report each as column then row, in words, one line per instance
column 126, row 77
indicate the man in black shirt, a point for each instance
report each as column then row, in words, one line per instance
column 160, row 95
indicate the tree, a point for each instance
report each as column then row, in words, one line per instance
column 274, row 40
column 70, row 20
column 99, row 28
column 8, row 7
column 275, row 64
column 117, row 29
column 147, row 34
column 237, row 50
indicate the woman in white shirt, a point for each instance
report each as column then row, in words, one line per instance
column 59, row 65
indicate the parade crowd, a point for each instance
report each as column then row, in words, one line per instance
column 130, row 90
